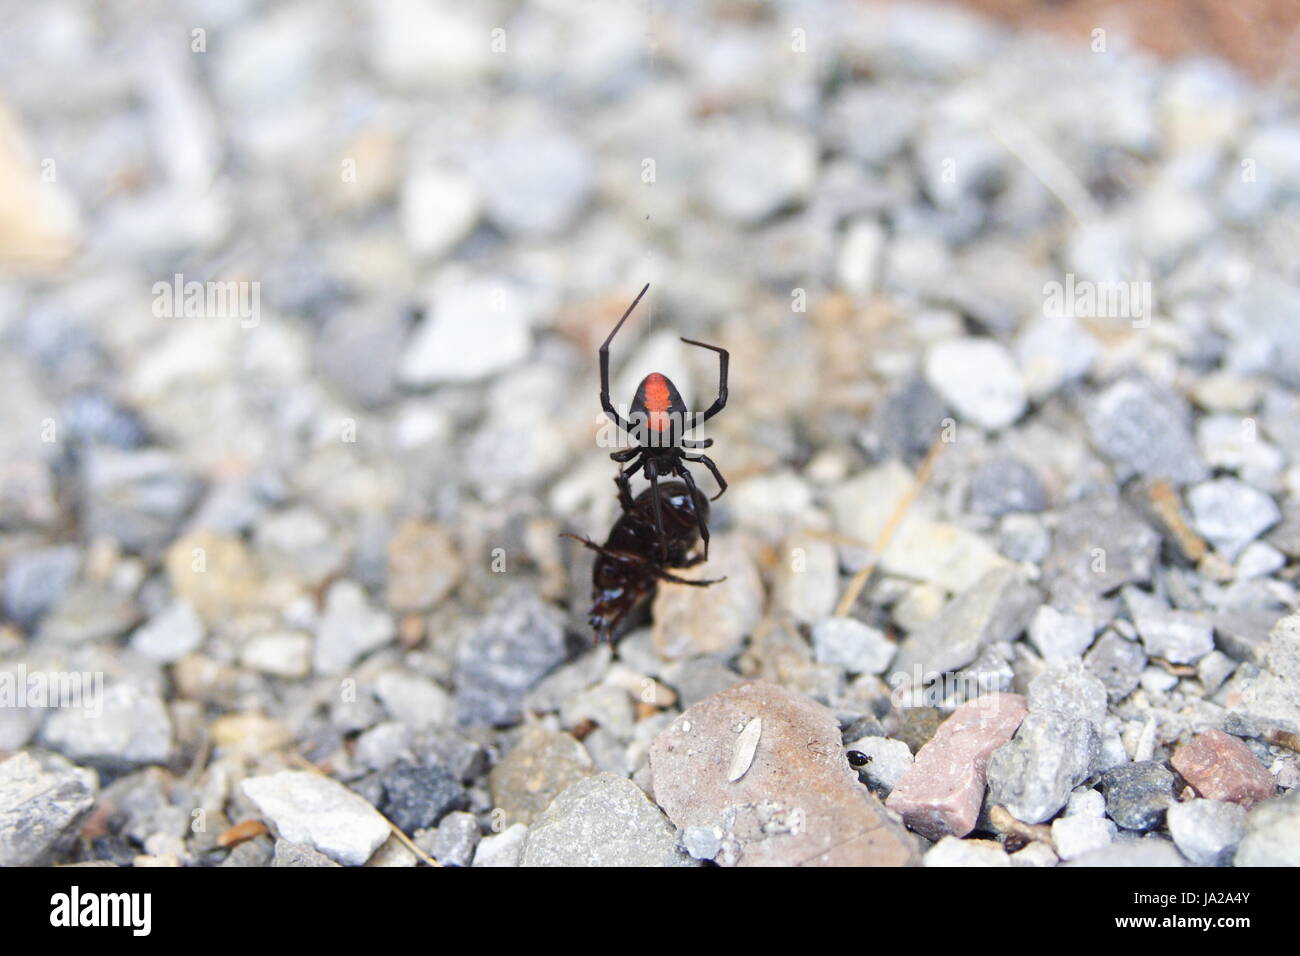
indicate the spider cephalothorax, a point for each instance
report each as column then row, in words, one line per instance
column 659, row 421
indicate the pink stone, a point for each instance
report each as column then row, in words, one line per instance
column 1221, row 767
column 942, row 792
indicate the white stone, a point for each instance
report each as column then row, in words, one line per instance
column 979, row 379
column 170, row 635
column 305, row 807
column 474, row 328
column 439, row 209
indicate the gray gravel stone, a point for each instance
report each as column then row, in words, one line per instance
column 873, row 123
column 698, row 677
column 755, row 169
column 1099, row 545
column 138, row 498
column 517, row 643
column 35, row 580
column 1022, row 537
column 1180, row 637
column 1272, row 833
column 288, row 853
column 1004, row 485
column 1077, row 834
column 41, row 803
column 1231, row 514
column 502, row 849
column 1138, row 794
column 1051, row 754
column 131, row 728
column 456, row 839
column 170, row 635
column 1060, row 636
column 417, row 797
column 88, row 612
column 952, row 851
column 413, row 700
column 1259, row 559
column 904, row 424
column 349, row 629
column 1144, row 429
column 1118, row 663
column 1069, row 688
column 1207, row 831
column 852, row 645
column 1148, row 851
column 541, row 765
column 997, row 608
column 534, row 183
column 1213, row 669
column 702, row 843
column 603, row 820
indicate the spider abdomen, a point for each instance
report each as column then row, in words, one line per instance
column 658, row 410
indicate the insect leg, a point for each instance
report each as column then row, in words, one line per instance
column 624, row 488
column 666, row 576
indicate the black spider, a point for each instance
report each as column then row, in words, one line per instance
column 659, row 420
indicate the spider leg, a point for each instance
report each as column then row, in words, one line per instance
column 652, row 472
column 605, row 403
column 724, row 357
column 699, row 515
column 707, row 462
column 693, row 443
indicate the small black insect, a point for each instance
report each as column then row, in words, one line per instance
column 659, row 419
column 628, row 565
column 858, row 759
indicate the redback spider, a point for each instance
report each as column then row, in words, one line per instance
column 660, row 418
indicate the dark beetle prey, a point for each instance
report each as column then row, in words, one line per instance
column 629, row 565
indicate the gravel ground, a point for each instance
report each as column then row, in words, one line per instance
column 281, row 570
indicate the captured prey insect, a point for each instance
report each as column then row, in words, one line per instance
column 659, row 419
column 628, row 565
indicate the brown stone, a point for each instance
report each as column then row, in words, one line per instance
column 1221, row 767
column 942, row 792
column 541, row 765
column 216, row 573
column 689, row 621
column 423, row 565
column 794, row 800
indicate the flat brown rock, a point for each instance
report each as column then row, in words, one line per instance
column 1221, row 767
column 794, row 800
column 942, row 792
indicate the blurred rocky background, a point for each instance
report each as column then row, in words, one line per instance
column 299, row 319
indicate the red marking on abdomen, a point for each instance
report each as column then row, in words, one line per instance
column 657, row 400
